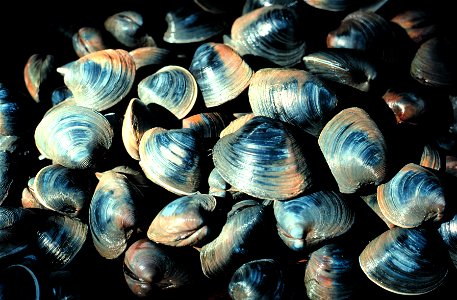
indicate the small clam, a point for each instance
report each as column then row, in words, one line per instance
column 220, row 72
column 87, row 40
column 258, row 279
column 172, row 159
column 101, row 79
column 114, row 213
column 38, row 75
column 127, row 28
column 147, row 56
column 407, row 261
column 73, row 136
column 172, row 87
column 414, row 195
column 409, row 107
column 432, row 158
column 293, row 96
column 185, row 221
column 263, row 159
column 418, row 23
column 312, row 219
column 355, row 150
column 270, row 32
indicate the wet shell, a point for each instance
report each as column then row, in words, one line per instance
column 408, row 261
column 137, row 120
column 64, row 190
column 220, row 72
column 172, row 87
column 172, row 159
column 409, row 107
column 73, row 136
column 432, row 158
column 238, row 241
column 236, row 124
column 293, row 96
column 343, row 65
column 335, row 5
column 312, row 219
column 127, row 27
column 87, row 40
column 11, row 113
column 150, row 268
column 263, row 159
column 330, row 273
column 209, row 124
column 220, row 7
column 37, row 74
column 269, row 32
column 60, row 94
column 355, row 150
column 7, row 175
column 184, row 221
column 448, row 232
column 413, row 196
column 258, row 279
column 114, row 213
column 418, row 23
column 189, row 23
column 101, row 79
column 250, row 5
column 147, row 56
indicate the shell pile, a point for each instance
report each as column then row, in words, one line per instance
column 282, row 149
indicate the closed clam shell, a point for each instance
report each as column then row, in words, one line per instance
column 407, row 261
column 270, row 32
column 172, row 87
column 409, row 107
column 147, row 56
column 114, row 213
column 87, row 40
column 263, row 159
column 432, row 158
column 413, row 196
column 238, row 242
column 343, row 65
column 38, row 75
column 73, row 136
column 419, row 23
column 11, row 113
column 101, row 79
column 62, row 189
column 293, row 96
column 311, row 219
column 128, row 28
column 220, row 72
column 190, row 23
column 448, row 232
column 185, row 221
column 330, row 273
column 172, row 159
column 258, row 279
column 355, row 150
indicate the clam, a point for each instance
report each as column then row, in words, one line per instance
column 62, row 189
column 221, row 73
column 236, row 124
column 258, row 279
column 238, row 242
column 264, row 159
column 127, row 28
column 209, row 124
column 448, row 232
column 345, row 66
column 355, row 150
column 114, row 214
column 293, row 96
column 60, row 94
column 172, row 87
column 218, row 187
column 12, row 113
column 151, row 269
column 190, row 23
column 73, row 136
column 330, row 272
column 413, row 196
column 7, row 176
column 432, row 158
column 172, row 159
column 147, row 56
column 100, row 80
column 409, row 107
column 270, row 32
column 418, row 23
column 38, row 75
column 407, row 261
column 309, row 220
column 87, row 40
column 185, row 221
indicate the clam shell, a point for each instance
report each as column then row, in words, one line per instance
column 172, row 87
column 209, row 124
column 73, row 136
column 147, row 56
column 293, row 96
column 413, row 196
column 355, row 150
column 432, row 158
column 236, row 124
column 184, row 221
column 220, row 72
column 100, row 80
column 407, row 261
column 409, row 107
column 87, row 40
column 38, row 73
column 418, row 23
column 7, row 176
column 335, row 5
column 270, row 32
column 448, row 232
column 312, row 219
column 263, row 159
column 172, row 159
column 11, row 113
column 127, row 28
